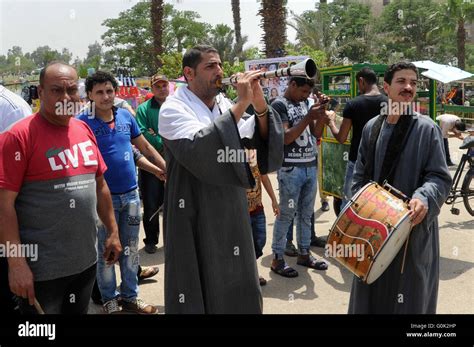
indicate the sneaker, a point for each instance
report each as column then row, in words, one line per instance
column 319, row 241
column 150, row 249
column 112, row 306
column 290, row 249
column 138, row 306
column 325, row 206
column 147, row 272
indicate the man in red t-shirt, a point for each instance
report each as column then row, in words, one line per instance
column 51, row 189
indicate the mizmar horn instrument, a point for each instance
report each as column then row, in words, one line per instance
column 307, row 68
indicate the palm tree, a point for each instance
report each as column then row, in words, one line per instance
column 461, row 12
column 222, row 37
column 273, row 14
column 156, row 11
column 238, row 34
column 314, row 29
column 308, row 29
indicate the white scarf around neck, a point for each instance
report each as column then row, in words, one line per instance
column 183, row 114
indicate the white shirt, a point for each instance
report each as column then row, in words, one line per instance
column 446, row 123
column 183, row 114
column 12, row 108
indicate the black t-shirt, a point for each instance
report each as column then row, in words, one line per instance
column 302, row 151
column 360, row 110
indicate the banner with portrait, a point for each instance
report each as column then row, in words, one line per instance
column 273, row 87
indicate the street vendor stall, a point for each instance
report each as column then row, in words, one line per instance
column 339, row 83
column 444, row 75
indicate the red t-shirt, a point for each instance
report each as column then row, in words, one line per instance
column 36, row 150
column 53, row 169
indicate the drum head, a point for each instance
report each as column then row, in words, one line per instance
column 390, row 249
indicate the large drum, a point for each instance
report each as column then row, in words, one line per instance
column 369, row 232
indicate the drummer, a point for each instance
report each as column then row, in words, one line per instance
column 406, row 149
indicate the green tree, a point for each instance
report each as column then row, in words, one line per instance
column 185, row 31
column 319, row 57
column 15, row 62
column 308, row 27
column 409, row 30
column 65, row 55
column 171, row 64
column 470, row 59
column 94, row 56
column 94, row 50
column 341, row 29
column 15, row 51
column 251, row 53
column 42, row 55
column 352, row 30
column 458, row 13
column 131, row 40
column 222, row 38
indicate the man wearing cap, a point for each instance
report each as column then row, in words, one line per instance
column 151, row 187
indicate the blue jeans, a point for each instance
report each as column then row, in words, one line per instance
column 289, row 235
column 348, row 183
column 127, row 215
column 297, row 188
column 259, row 232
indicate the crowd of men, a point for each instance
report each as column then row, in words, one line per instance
column 69, row 186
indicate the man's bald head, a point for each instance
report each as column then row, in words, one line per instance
column 56, row 67
column 58, row 92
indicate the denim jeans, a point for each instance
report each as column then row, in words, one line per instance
column 289, row 235
column 297, row 188
column 348, row 183
column 259, row 232
column 127, row 215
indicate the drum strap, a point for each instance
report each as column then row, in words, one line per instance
column 397, row 142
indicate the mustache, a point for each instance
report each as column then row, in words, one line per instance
column 406, row 91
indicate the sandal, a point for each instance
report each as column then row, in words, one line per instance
column 309, row 261
column 283, row 269
column 290, row 249
column 147, row 272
